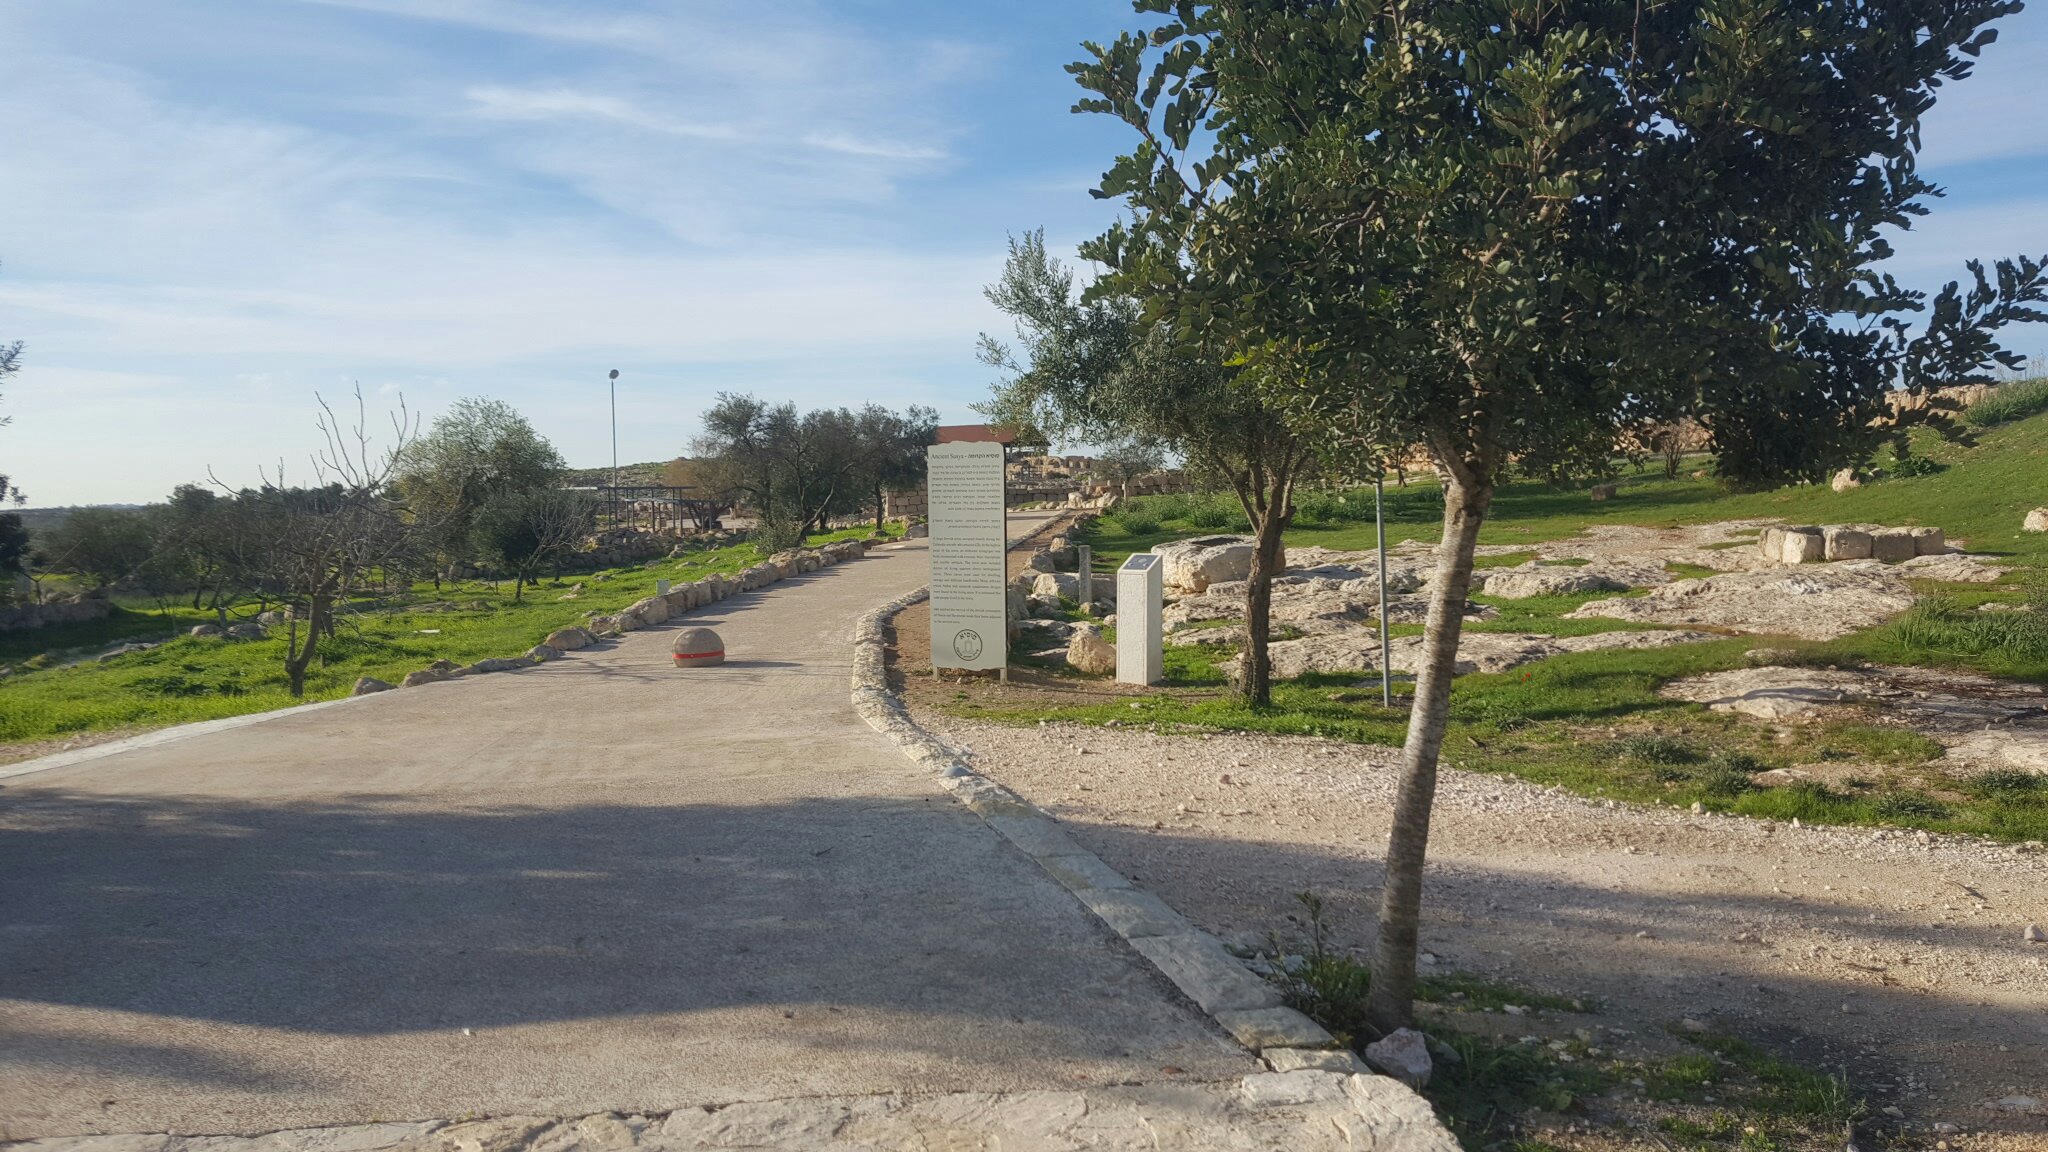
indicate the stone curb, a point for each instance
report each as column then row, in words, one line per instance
column 1197, row 963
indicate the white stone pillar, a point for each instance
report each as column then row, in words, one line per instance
column 1140, row 652
column 1084, row 575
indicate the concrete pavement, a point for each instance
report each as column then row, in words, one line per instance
column 602, row 884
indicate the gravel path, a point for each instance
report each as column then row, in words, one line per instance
column 1895, row 954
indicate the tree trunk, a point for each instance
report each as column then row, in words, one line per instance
column 878, row 510
column 1258, row 606
column 296, row 659
column 1392, row 1001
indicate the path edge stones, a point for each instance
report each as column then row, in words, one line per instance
column 1246, row 1006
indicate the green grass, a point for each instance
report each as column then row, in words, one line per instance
column 2015, row 400
column 1982, row 495
column 1731, row 1094
column 189, row 679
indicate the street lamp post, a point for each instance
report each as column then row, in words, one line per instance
column 615, row 446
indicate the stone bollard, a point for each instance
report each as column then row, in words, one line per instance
column 1084, row 575
column 698, row 648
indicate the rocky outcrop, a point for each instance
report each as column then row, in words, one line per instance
column 1819, row 602
column 1358, row 650
column 2036, row 521
column 1534, row 579
column 370, row 686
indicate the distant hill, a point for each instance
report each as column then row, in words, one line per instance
column 628, row 474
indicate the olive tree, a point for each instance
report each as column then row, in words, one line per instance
column 1510, row 230
column 1097, row 369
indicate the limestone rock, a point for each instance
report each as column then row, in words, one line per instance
column 1771, row 693
column 1402, row 1054
column 2036, row 521
column 1601, row 493
column 650, row 611
column 1845, row 480
column 1817, row 603
column 495, row 664
column 370, row 685
column 1088, row 652
column 2034, row 935
column 570, row 639
column 423, row 676
column 1042, row 561
column 1195, row 564
column 202, row 630
column 542, row 653
column 1284, row 1089
column 1929, row 542
column 1893, row 544
column 1053, row 585
column 1528, row 580
column 1841, row 543
column 1953, row 567
column 1802, row 546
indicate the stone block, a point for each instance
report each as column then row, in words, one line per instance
column 1319, row 1059
column 1279, row 1028
column 1838, row 543
column 1393, row 1115
column 1402, row 1054
column 1211, row 977
column 1929, row 542
column 1290, row 1089
column 1037, row 836
column 1803, row 546
column 1134, row 914
column 1083, row 872
column 1770, row 544
column 1893, row 545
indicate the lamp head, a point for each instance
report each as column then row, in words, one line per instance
column 615, row 373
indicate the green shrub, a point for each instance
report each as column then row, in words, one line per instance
column 2008, row 783
column 1656, row 750
column 1171, row 506
column 2008, row 402
column 1209, row 516
column 1908, row 806
column 1725, row 781
column 1133, row 522
column 1907, row 467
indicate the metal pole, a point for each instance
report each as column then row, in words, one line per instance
column 615, row 445
column 1379, row 519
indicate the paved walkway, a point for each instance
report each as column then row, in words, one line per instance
column 597, row 885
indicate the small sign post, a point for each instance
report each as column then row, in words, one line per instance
column 1140, row 651
column 968, row 556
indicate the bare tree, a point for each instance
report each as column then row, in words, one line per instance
column 317, row 548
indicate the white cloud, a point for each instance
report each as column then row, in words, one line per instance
column 497, row 103
column 882, row 149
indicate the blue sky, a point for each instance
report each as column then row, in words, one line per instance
column 214, row 208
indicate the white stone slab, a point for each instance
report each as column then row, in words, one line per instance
column 968, row 547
